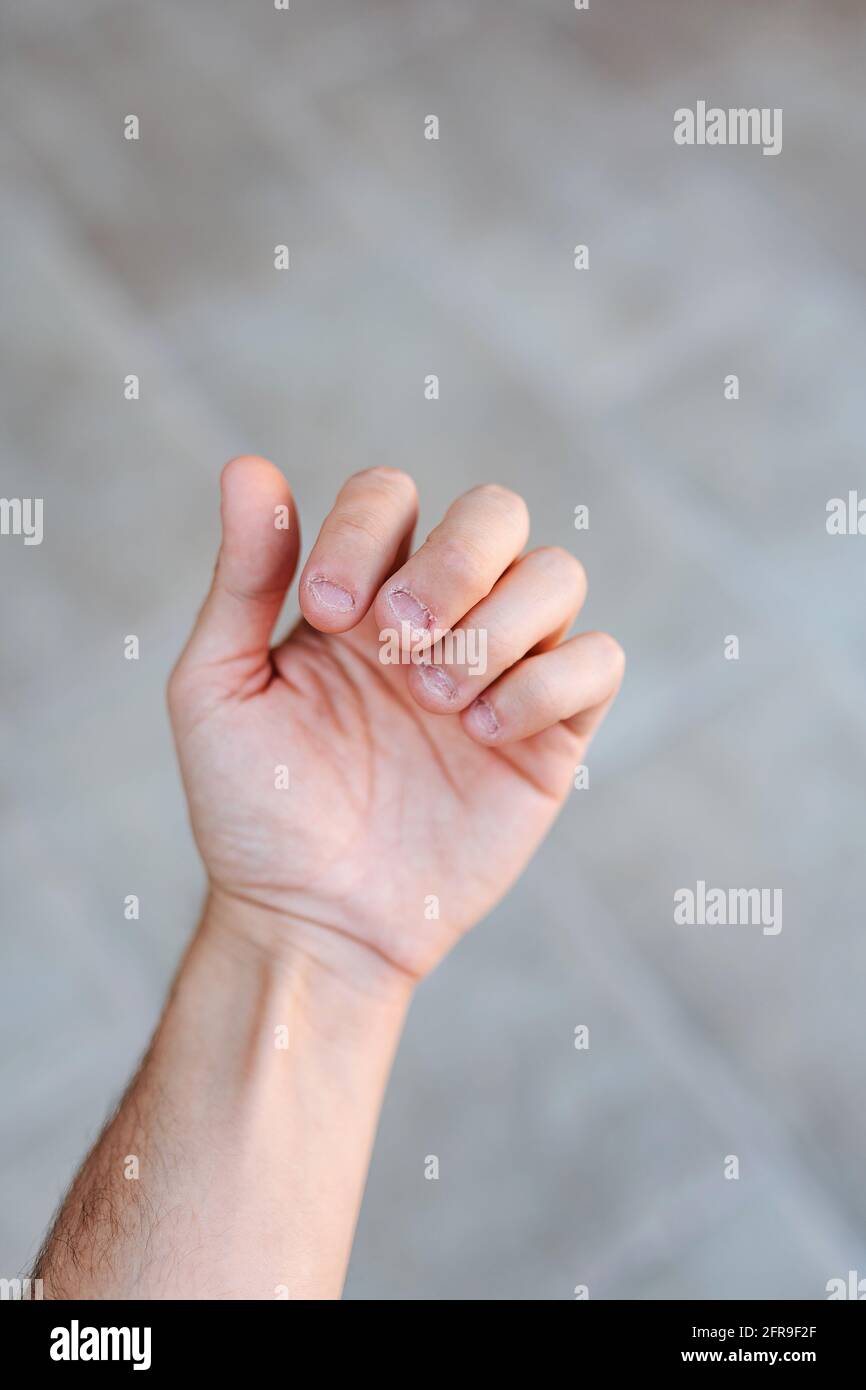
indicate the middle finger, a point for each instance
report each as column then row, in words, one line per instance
column 458, row 564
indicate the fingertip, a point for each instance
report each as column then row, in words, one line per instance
column 481, row 722
column 609, row 652
column 359, row 543
column 328, row 604
column 260, row 532
column 251, row 487
column 398, row 609
column 247, row 466
column 433, row 688
column 257, row 557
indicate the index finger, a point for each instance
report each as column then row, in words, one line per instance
column 359, row 545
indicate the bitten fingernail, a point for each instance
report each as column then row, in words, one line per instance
column 331, row 595
column 408, row 609
column 437, row 682
column 482, row 718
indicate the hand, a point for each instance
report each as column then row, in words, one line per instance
column 416, row 792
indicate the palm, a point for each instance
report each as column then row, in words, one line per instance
column 388, row 809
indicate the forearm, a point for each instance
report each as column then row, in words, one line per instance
column 252, row 1119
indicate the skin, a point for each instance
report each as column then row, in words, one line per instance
column 407, row 783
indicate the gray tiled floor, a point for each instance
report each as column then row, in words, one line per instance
column 558, row 1167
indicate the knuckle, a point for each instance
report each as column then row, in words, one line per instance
column 539, row 693
column 358, row 522
column 394, row 479
column 562, row 562
column 463, row 561
column 511, row 503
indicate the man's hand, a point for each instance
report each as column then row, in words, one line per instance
column 407, row 783
column 253, row 1114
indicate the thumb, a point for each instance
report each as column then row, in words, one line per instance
column 260, row 541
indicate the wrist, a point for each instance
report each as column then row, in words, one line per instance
column 322, row 961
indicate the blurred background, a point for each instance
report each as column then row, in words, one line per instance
column 602, row 388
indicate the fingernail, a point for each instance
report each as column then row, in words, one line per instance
column 331, row 595
column 408, row 609
column 437, row 681
column 482, row 718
